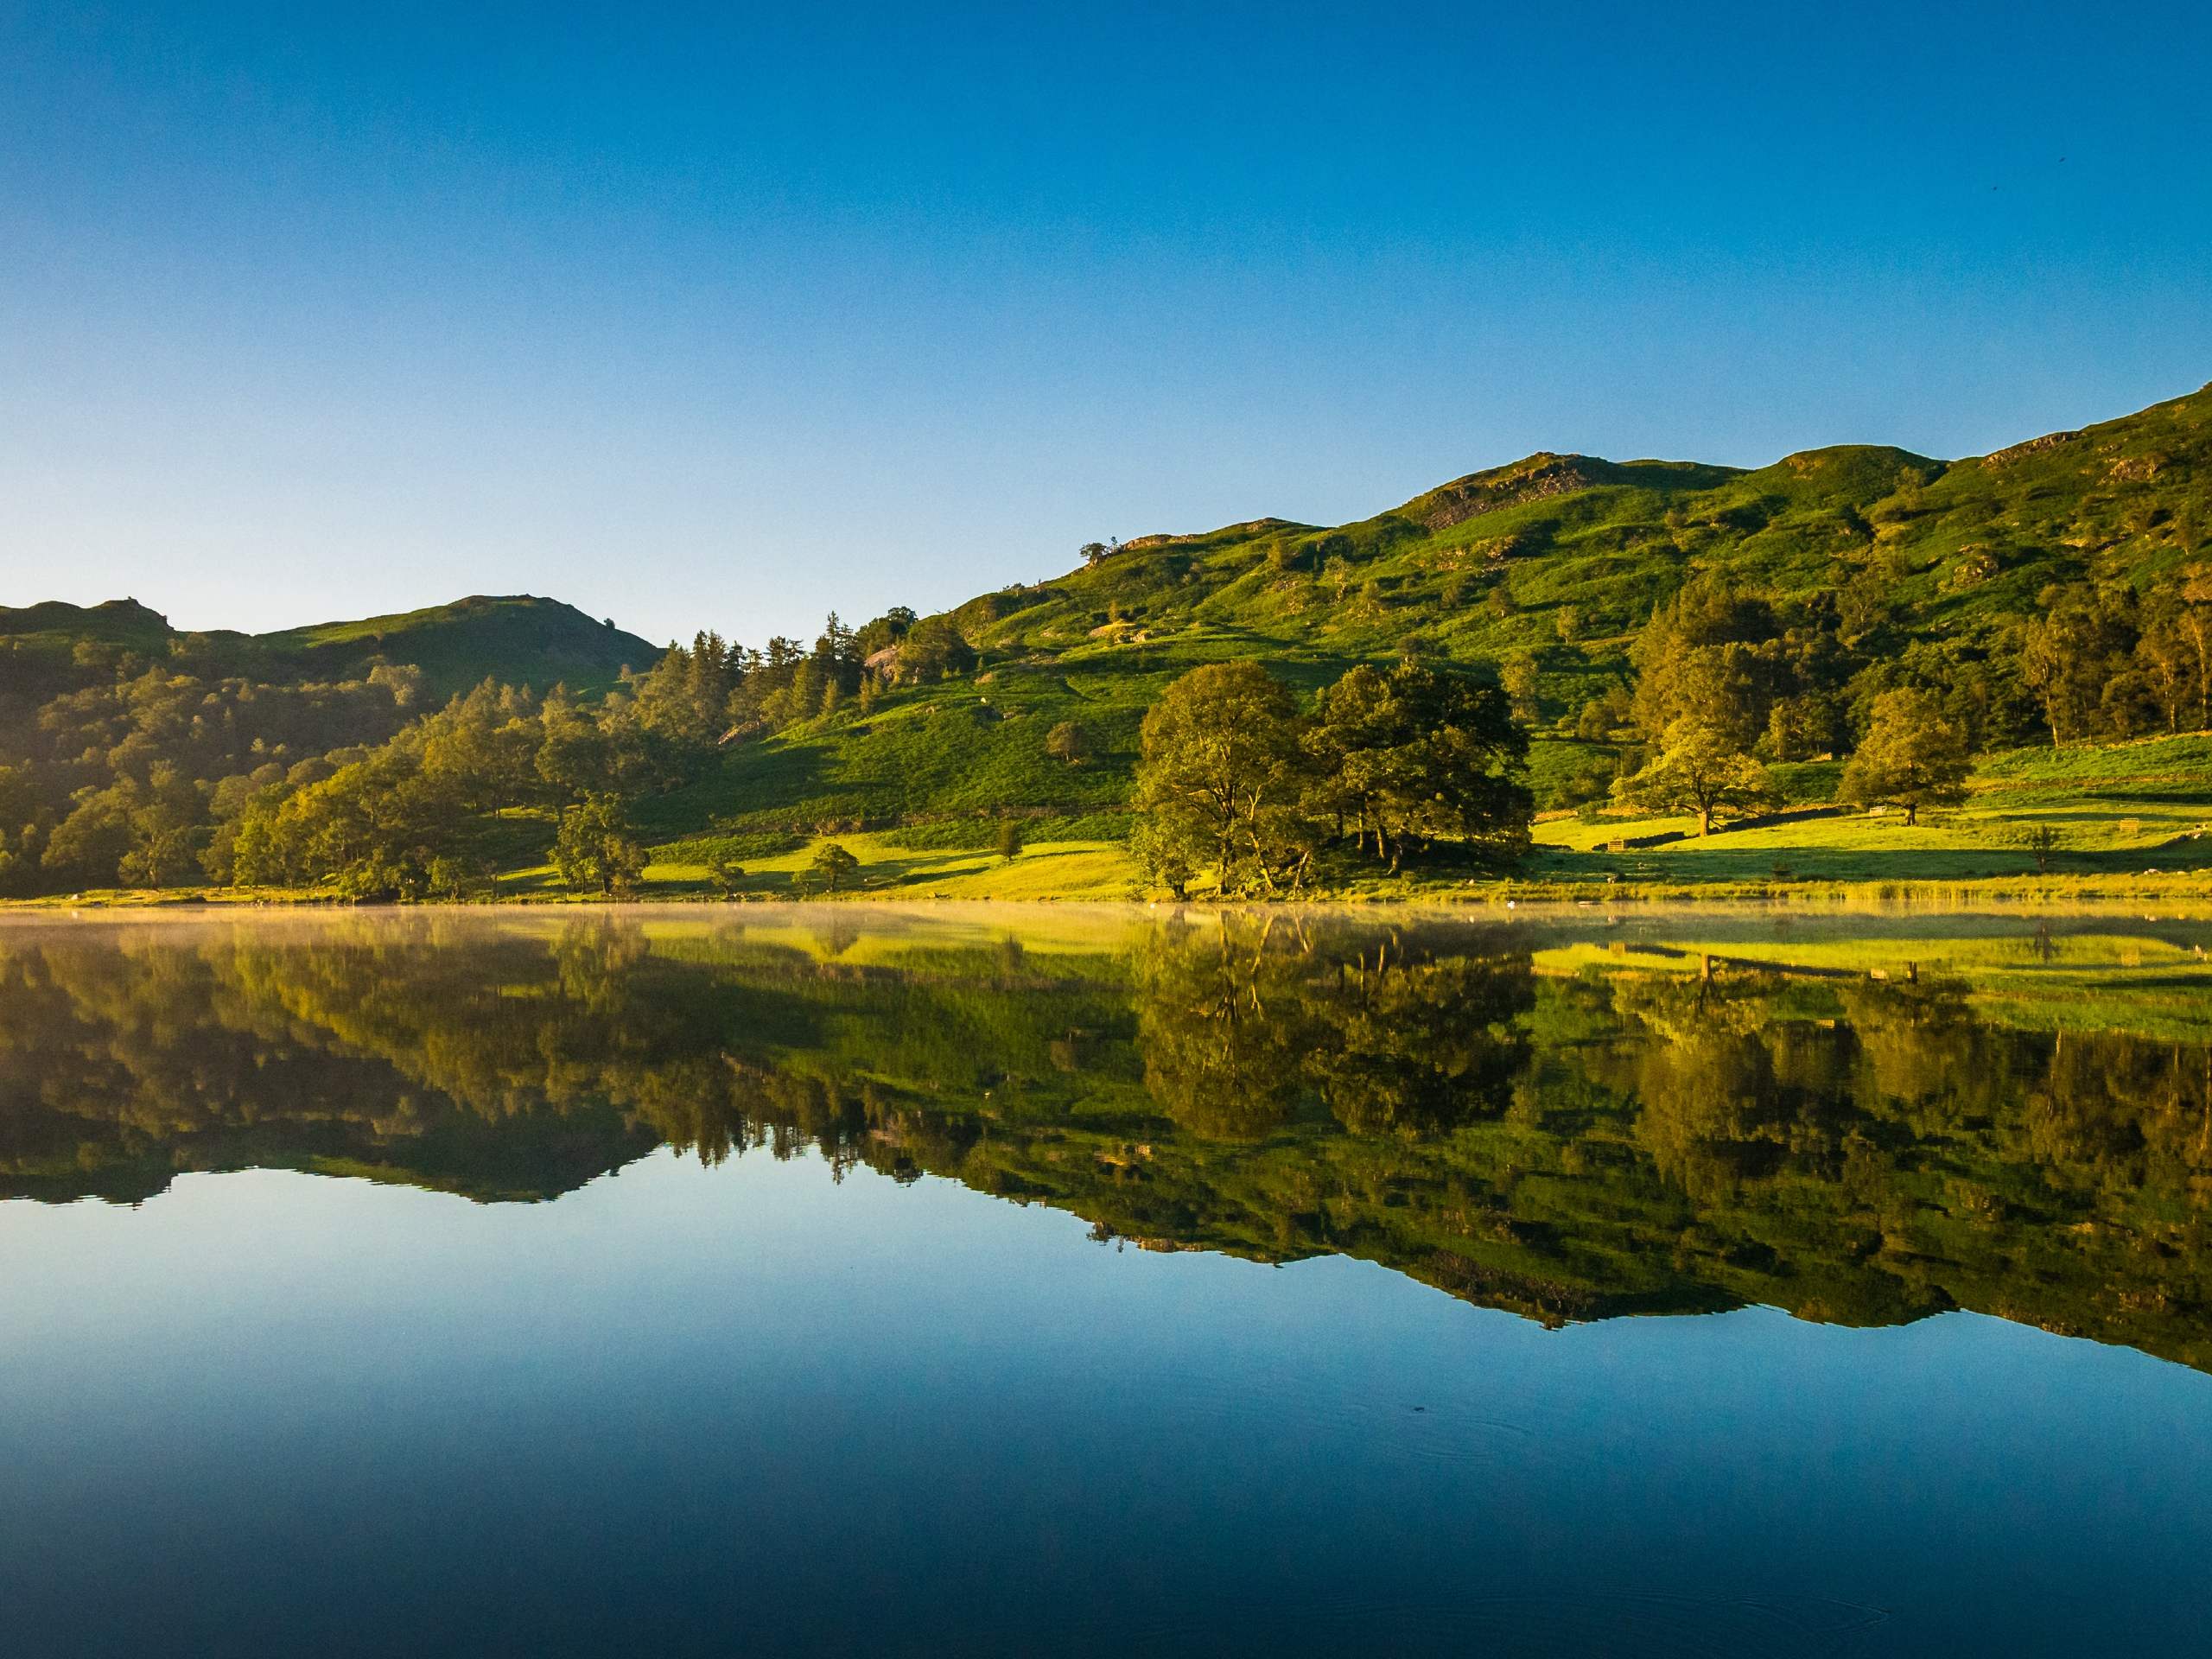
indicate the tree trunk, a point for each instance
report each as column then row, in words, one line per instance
column 1704, row 821
column 1913, row 812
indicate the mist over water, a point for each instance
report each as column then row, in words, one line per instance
column 839, row 1281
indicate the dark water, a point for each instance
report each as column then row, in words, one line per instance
column 840, row 1282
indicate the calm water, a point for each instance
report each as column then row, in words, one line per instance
column 772, row 1281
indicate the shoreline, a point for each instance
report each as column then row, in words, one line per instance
column 2192, row 890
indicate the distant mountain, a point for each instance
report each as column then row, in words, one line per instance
column 516, row 639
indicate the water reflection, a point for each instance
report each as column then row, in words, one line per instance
column 1856, row 1125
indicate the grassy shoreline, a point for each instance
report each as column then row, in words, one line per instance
column 2125, row 824
column 2192, row 889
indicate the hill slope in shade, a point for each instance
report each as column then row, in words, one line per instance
column 516, row 639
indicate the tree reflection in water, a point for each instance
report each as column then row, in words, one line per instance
column 1570, row 1135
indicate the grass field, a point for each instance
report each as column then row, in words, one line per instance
column 1045, row 870
column 2140, row 808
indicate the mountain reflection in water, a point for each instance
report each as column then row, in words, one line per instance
column 1860, row 1122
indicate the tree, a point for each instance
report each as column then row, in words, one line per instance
column 1419, row 752
column 595, row 849
column 1699, row 768
column 2175, row 652
column 1009, row 840
column 371, row 827
column 834, row 866
column 1164, row 856
column 1519, row 677
column 454, row 878
column 934, row 649
column 886, row 630
column 1066, row 742
column 482, row 748
column 1709, row 652
column 167, row 821
column 1800, row 727
column 1911, row 756
column 86, row 847
column 725, row 874
column 2072, row 652
column 1220, row 779
column 572, row 751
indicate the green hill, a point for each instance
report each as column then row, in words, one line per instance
column 1827, row 579
column 2127, row 498
column 1557, row 561
column 517, row 640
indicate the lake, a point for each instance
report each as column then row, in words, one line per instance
column 847, row 1281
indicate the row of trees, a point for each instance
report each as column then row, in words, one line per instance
column 1913, row 756
column 1236, row 783
column 1791, row 680
column 412, row 817
column 699, row 694
column 1726, row 682
column 116, row 768
column 2105, row 661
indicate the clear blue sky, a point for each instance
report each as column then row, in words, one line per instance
column 710, row 317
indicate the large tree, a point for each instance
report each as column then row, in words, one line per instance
column 596, row 849
column 1700, row 768
column 1420, row 753
column 1220, row 781
column 1911, row 756
column 1710, row 651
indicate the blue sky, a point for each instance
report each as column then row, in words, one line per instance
column 716, row 317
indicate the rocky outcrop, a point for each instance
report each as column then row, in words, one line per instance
column 2032, row 446
column 1533, row 479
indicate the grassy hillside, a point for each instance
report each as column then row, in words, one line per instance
column 1484, row 567
column 1556, row 559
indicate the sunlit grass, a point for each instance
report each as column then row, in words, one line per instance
column 1068, row 869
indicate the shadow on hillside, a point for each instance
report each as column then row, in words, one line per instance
column 747, row 780
column 919, row 869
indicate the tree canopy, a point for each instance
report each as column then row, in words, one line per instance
column 1236, row 781
column 1702, row 769
column 1911, row 756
